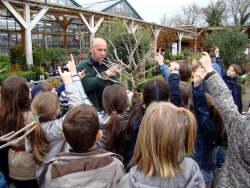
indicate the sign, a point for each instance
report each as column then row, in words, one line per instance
column 174, row 48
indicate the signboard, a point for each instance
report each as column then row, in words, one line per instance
column 174, row 48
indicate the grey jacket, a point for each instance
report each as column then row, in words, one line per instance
column 103, row 119
column 190, row 178
column 97, row 168
column 53, row 131
column 236, row 171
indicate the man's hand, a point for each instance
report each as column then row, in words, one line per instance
column 199, row 75
column 217, row 52
column 159, row 58
column 174, row 65
column 71, row 65
column 81, row 74
column 206, row 62
column 66, row 76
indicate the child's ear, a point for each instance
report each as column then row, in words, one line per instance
column 57, row 112
column 99, row 135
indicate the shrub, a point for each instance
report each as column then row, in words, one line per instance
column 25, row 74
column 4, row 62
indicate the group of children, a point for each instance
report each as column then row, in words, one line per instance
column 170, row 139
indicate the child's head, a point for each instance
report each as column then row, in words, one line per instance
column 43, row 86
column 185, row 70
column 15, row 99
column 81, row 127
column 233, row 71
column 215, row 116
column 156, row 90
column 166, row 135
column 115, row 98
column 115, row 101
column 46, row 106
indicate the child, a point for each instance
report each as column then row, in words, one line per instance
column 15, row 114
column 210, row 130
column 236, row 171
column 233, row 85
column 43, row 86
column 46, row 140
column 167, row 134
column 86, row 165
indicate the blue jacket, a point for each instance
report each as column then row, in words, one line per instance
column 205, row 150
column 235, row 89
column 3, row 183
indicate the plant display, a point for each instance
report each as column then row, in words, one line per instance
column 17, row 56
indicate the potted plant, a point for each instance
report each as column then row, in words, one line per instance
column 17, row 56
column 39, row 56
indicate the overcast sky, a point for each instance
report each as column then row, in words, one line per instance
column 153, row 10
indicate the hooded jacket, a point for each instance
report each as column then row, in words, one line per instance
column 236, row 170
column 190, row 178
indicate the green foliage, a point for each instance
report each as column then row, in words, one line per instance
column 37, row 72
column 55, row 82
column 176, row 57
column 214, row 17
column 4, row 62
column 25, row 74
column 186, row 52
column 196, row 56
column 110, row 30
column 38, row 55
column 17, row 55
column 231, row 41
column 53, row 56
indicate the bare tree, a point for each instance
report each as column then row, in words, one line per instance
column 240, row 10
column 134, row 67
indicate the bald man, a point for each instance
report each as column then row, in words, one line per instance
column 92, row 84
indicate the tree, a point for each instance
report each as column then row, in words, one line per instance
column 240, row 10
column 190, row 15
column 231, row 41
column 215, row 13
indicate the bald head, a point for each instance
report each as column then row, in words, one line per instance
column 98, row 49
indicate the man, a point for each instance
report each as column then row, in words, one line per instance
column 93, row 65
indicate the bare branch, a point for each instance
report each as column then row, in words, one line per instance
column 149, row 69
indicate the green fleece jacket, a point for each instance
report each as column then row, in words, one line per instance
column 90, row 81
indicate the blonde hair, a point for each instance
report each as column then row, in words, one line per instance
column 165, row 137
column 44, row 107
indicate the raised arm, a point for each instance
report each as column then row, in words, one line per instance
column 221, row 94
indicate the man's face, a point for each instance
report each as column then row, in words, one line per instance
column 99, row 50
column 231, row 73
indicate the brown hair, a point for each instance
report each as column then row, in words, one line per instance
column 154, row 90
column 185, row 70
column 236, row 68
column 80, row 127
column 215, row 116
column 187, row 96
column 15, row 99
column 165, row 137
column 46, row 86
column 115, row 99
column 44, row 105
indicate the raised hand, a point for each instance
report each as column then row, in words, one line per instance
column 199, row 75
column 206, row 62
column 81, row 74
column 159, row 58
column 66, row 76
column 71, row 65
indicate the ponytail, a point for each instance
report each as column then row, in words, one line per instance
column 115, row 134
column 39, row 143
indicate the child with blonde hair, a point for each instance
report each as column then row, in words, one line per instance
column 166, row 136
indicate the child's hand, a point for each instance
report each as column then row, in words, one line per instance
column 194, row 61
column 71, row 65
column 159, row 58
column 206, row 62
column 66, row 76
column 199, row 75
column 81, row 74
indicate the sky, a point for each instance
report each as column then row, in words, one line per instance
column 153, row 10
